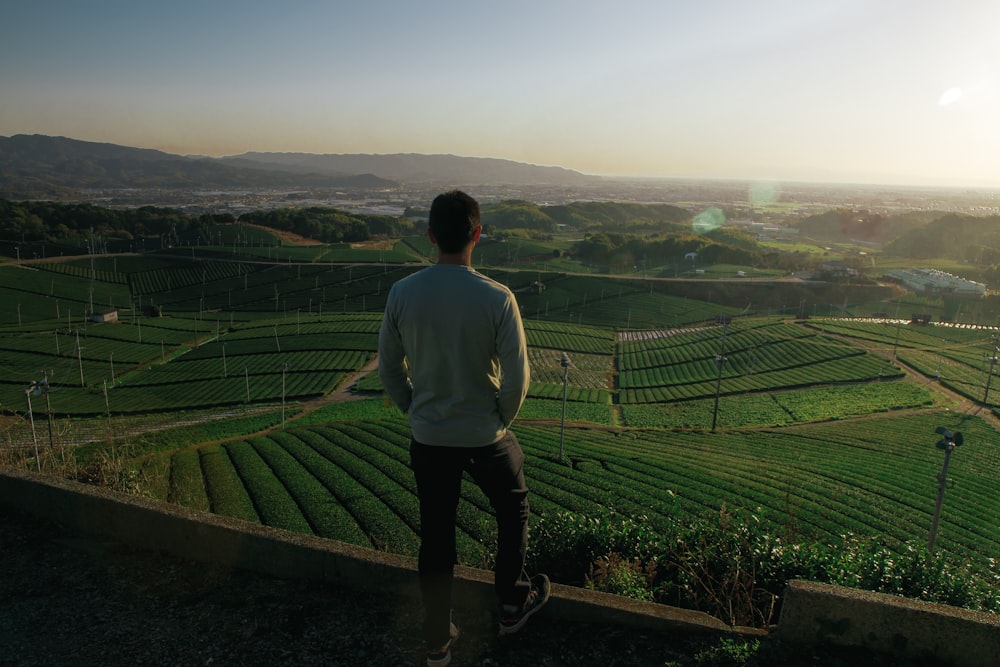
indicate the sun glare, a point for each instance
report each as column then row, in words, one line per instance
column 950, row 96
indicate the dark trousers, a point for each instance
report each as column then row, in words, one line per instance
column 498, row 470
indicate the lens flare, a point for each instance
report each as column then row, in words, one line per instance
column 708, row 220
column 950, row 96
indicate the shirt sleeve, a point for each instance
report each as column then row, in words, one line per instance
column 392, row 367
column 512, row 350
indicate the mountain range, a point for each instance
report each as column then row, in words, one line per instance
column 39, row 166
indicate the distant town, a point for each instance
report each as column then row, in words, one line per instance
column 797, row 199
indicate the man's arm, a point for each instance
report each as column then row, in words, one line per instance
column 512, row 350
column 392, row 360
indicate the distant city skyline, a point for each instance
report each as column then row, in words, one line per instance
column 853, row 91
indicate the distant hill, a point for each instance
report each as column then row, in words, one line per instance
column 961, row 237
column 38, row 166
column 447, row 170
column 848, row 225
column 44, row 167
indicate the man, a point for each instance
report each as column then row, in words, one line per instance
column 453, row 357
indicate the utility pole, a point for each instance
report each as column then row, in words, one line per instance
column 284, row 368
column 564, row 362
column 992, row 359
column 40, row 387
column 949, row 441
column 720, row 361
column 31, row 420
column 79, row 358
column 48, row 406
column 107, row 406
column 895, row 343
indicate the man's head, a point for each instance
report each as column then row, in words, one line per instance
column 454, row 221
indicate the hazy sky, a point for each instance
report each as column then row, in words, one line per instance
column 885, row 91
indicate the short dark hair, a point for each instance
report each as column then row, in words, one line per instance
column 454, row 218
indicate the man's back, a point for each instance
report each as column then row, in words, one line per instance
column 463, row 342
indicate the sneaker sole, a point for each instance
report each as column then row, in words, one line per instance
column 446, row 660
column 442, row 662
column 511, row 629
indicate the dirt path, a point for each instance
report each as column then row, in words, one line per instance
column 342, row 393
column 290, row 237
column 962, row 404
column 951, row 400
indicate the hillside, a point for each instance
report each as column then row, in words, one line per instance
column 961, row 237
column 38, row 166
column 846, row 225
column 416, row 168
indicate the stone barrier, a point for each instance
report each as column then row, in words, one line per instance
column 816, row 614
column 210, row 538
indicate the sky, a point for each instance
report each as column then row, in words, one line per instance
column 858, row 91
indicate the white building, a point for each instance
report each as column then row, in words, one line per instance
column 932, row 281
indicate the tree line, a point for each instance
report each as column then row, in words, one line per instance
column 614, row 234
column 80, row 224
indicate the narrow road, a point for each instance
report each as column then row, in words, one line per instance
column 342, row 393
column 960, row 404
column 963, row 405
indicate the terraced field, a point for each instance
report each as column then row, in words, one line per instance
column 350, row 480
column 793, row 400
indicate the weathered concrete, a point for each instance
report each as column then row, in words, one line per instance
column 210, row 538
column 814, row 613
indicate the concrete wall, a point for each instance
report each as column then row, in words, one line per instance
column 210, row 538
column 812, row 613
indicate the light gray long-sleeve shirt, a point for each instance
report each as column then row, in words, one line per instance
column 453, row 356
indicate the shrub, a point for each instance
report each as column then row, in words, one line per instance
column 115, row 468
column 566, row 544
column 628, row 578
column 727, row 564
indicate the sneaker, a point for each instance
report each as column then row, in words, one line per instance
column 512, row 618
column 440, row 657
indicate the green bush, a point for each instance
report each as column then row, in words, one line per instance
column 226, row 493
column 729, row 566
column 628, row 578
column 187, row 484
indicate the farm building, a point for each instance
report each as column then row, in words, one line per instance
column 106, row 316
column 839, row 269
column 932, row 281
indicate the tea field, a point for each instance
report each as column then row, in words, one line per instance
column 349, row 480
column 818, row 422
column 956, row 355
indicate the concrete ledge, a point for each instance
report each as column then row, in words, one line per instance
column 814, row 613
column 210, row 538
